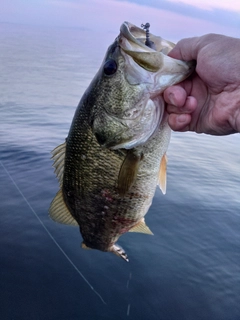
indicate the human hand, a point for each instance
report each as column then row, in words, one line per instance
column 209, row 100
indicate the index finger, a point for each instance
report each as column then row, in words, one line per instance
column 175, row 95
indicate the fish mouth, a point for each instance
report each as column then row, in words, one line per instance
column 137, row 37
column 132, row 40
column 149, row 71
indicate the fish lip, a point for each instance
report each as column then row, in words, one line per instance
column 132, row 42
column 127, row 31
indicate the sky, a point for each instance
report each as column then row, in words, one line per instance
column 172, row 19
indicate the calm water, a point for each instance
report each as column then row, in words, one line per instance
column 189, row 269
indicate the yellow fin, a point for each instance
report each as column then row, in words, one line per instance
column 163, row 174
column 58, row 156
column 141, row 227
column 128, row 172
column 59, row 212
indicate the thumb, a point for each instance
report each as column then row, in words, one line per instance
column 185, row 49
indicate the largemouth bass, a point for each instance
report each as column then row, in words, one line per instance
column 115, row 153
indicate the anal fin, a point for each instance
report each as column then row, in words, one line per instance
column 59, row 211
column 141, row 227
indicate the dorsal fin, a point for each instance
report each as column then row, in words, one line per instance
column 58, row 156
column 141, row 227
column 162, row 178
column 59, row 212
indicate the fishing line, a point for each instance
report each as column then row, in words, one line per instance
column 128, row 309
column 51, row 236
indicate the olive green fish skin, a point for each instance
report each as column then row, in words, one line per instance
column 110, row 165
column 91, row 175
column 90, row 185
column 91, row 171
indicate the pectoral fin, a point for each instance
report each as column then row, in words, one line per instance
column 141, row 227
column 163, row 174
column 128, row 172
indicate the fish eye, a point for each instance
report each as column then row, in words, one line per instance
column 110, row 67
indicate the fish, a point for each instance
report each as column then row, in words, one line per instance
column 114, row 156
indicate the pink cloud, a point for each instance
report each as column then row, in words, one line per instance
column 106, row 16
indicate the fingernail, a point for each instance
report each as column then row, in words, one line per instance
column 182, row 118
column 171, row 98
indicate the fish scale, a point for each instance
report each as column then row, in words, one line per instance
column 115, row 152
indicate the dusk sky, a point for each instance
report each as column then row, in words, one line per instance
column 171, row 19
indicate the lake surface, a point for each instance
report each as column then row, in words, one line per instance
column 189, row 269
